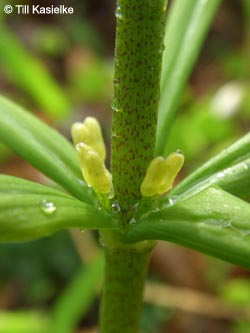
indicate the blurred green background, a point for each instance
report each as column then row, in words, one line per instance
column 60, row 67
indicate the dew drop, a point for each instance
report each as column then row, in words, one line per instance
column 47, row 207
column 118, row 12
column 115, row 107
column 172, row 200
column 156, row 209
column 115, row 207
column 179, row 151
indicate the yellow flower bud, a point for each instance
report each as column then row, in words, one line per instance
column 93, row 169
column 174, row 163
column 89, row 132
column 161, row 174
column 78, row 132
column 154, row 177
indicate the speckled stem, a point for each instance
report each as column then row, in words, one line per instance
column 125, row 273
column 138, row 56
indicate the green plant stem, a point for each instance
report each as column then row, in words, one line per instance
column 138, row 56
column 125, row 273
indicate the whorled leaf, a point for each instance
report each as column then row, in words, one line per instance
column 29, row 211
column 212, row 221
column 43, row 147
column 230, row 169
column 186, row 29
column 234, row 179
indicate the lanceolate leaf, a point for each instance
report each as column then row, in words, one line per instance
column 31, row 75
column 185, row 31
column 29, row 210
column 43, row 147
column 230, row 169
column 212, row 221
column 234, row 179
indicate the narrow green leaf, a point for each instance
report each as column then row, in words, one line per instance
column 23, row 321
column 234, row 179
column 70, row 308
column 29, row 211
column 186, row 29
column 43, row 147
column 30, row 74
column 213, row 222
column 230, row 169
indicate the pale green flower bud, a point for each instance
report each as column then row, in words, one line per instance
column 161, row 174
column 93, row 169
column 89, row 132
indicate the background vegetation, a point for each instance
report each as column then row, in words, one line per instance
column 61, row 68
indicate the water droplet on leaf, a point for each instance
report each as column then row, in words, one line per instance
column 47, row 207
column 115, row 107
column 172, row 200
